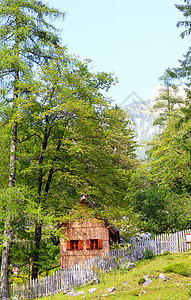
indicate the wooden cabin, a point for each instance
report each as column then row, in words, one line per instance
column 85, row 238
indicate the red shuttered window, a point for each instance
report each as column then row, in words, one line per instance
column 74, row 245
column 68, row 245
column 100, row 244
column 94, row 244
column 80, row 245
column 88, row 245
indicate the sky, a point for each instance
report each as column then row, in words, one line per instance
column 135, row 40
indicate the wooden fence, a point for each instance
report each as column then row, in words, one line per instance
column 82, row 273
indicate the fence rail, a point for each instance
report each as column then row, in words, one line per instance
column 82, row 273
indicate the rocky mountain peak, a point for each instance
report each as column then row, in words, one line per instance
column 142, row 115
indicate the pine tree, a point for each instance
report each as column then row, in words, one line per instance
column 168, row 100
column 25, row 37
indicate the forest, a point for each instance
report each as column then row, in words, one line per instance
column 60, row 137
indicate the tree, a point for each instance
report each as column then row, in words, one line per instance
column 161, row 210
column 168, row 101
column 169, row 165
column 71, row 140
column 25, row 36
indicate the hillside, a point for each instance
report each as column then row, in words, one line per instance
column 126, row 282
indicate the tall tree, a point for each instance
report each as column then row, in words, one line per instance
column 25, row 36
column 72, row 141
column 168, row 100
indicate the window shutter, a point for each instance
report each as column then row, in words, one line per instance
column 68, row 245
column 88, row 245
column 80, row 245
column 100, row 244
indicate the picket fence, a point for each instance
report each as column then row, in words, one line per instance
column 82, row 273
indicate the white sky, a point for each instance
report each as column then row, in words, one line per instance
column 136, row 40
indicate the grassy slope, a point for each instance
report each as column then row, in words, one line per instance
column 175, row 287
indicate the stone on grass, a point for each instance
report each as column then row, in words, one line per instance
column 111, row 289
column 143, row 292
column 95, row 280
column 68, row 291
column 130, row 266
column 79, row 293
column 91, row 291
column 70, row 294
column 148, row 280
column 15, row 298
column 125, row 283
column 162, row 276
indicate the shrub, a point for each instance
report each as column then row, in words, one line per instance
column 179, row 268
column 141, row 280
column 148, row 254
column 169, row 257
column 166, row 253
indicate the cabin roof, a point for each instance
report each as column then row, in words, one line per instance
column 84, row 199
column 114, row 233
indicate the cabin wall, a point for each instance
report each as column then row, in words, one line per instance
column 83, row 230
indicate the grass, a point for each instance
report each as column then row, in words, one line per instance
column 175, row 287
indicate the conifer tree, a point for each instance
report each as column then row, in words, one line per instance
column 168, row 100
column 25, row 37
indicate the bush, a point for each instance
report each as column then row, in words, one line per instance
column 179, row 268
column 141, row 280
column 148, row 254
column 166, row 253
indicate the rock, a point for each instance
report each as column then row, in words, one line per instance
column 15, row 298
column 148, row 280
column 91, row 291
column 143, row 292
column 112, row 289
column 130, row 266
column 79, row 293
column 125, row 283
column 95, row 280
column 162, row 276
column 68, row 290
column 70, row 294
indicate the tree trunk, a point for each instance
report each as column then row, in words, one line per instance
column 38, row 235
column 38, row 226
column 13, row 155
column 5, row 293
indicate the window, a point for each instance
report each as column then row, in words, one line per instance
column 74, row 245
column 93, row 244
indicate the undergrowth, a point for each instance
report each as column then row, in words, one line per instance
column 128, row 283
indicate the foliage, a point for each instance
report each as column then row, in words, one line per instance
column 178, row 268
column 60, row 129
column 167, row 102
column 166, row 253
column 148, row 254
column 71, row 141
column 161, row 210
column 141, row 280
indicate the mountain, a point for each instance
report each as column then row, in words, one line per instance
column 142, row 116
